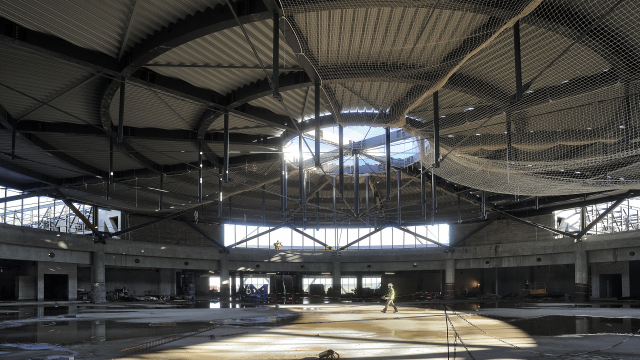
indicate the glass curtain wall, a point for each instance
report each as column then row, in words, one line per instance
column 389, row 238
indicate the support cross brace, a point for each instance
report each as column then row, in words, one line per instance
column 362, row 237
column 416, row 235
column 83, row 218
column 584, row 231
column 309, row 236
column 208, row 236
column 149, row 223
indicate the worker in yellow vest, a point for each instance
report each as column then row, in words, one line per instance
column 391, row 294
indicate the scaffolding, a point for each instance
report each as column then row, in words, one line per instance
column 45, row 213
column 625, row 217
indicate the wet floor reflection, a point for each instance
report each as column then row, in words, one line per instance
column 576, row 325
column 72, row 332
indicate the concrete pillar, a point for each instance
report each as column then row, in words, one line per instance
column 359, row 285
column 450, row 279
column 98, row 290
column 337, row 280
column 234, row 288
column 224, row 280
column 167, row 282
column 98, row 330
column 241, row 278
column 582, row 274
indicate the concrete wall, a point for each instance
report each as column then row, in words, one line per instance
column 503, row 231
column 137, row 281
column 45, row 267
column 621, row 267
column 171, row 232
column 538, row 259
column 411, row 282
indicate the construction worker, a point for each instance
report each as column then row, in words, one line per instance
column 391, row 294
column 277, row 245
column 526, row 283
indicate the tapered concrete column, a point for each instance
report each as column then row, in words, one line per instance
column 337, row 280
column 582, row 274
column 167, row 281
column 450, row 279
column 98, row 291
column 225, row 286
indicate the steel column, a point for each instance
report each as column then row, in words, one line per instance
column 423, row 192
column 341, row 160
column 399, row 197
column 356, row 184
column 434, row 197
column 220, row 192
column 121, row 111
column 301, row 178
column 225, row 171
column 366, row 194
column 317, row 117
column 110, row 177
column 483, row 207
column 387, row 150
column 200, row 171
column 263, row 204
column 276, row 56
column 161, row 190
column 436, row 131
column 518, row 59
column 334, row 201
column 13, row 144
column 283, row 182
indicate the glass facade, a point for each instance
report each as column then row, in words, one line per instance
column 389, row 238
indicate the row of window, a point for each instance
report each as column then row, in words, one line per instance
column 348, row 283
column 388, row 238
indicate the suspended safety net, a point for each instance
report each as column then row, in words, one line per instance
column 573, row 130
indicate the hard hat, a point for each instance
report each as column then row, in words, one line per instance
column 390, row 284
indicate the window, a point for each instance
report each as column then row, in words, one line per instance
column 309, row 280
column 349, row 284
column 371, row 282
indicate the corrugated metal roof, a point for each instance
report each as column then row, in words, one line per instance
column 151, row 16
column 7, row 176
column 147, row 108
column 167, row 152
column 243, row 125
column 92, row 150
column 300, row 102
column 227, row 47
column 83, row 102
column 96, row 25
column 385, row 34
column 34, row 75
column 34, row 158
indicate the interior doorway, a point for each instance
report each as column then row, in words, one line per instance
column 56, row 287
column 610, row 285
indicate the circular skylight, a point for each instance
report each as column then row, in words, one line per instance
column 368, row 143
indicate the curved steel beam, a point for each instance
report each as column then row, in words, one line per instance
column 192, row 27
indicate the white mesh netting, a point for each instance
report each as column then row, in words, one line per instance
column 573, row 131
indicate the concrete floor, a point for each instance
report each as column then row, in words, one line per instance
column 303, row 331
